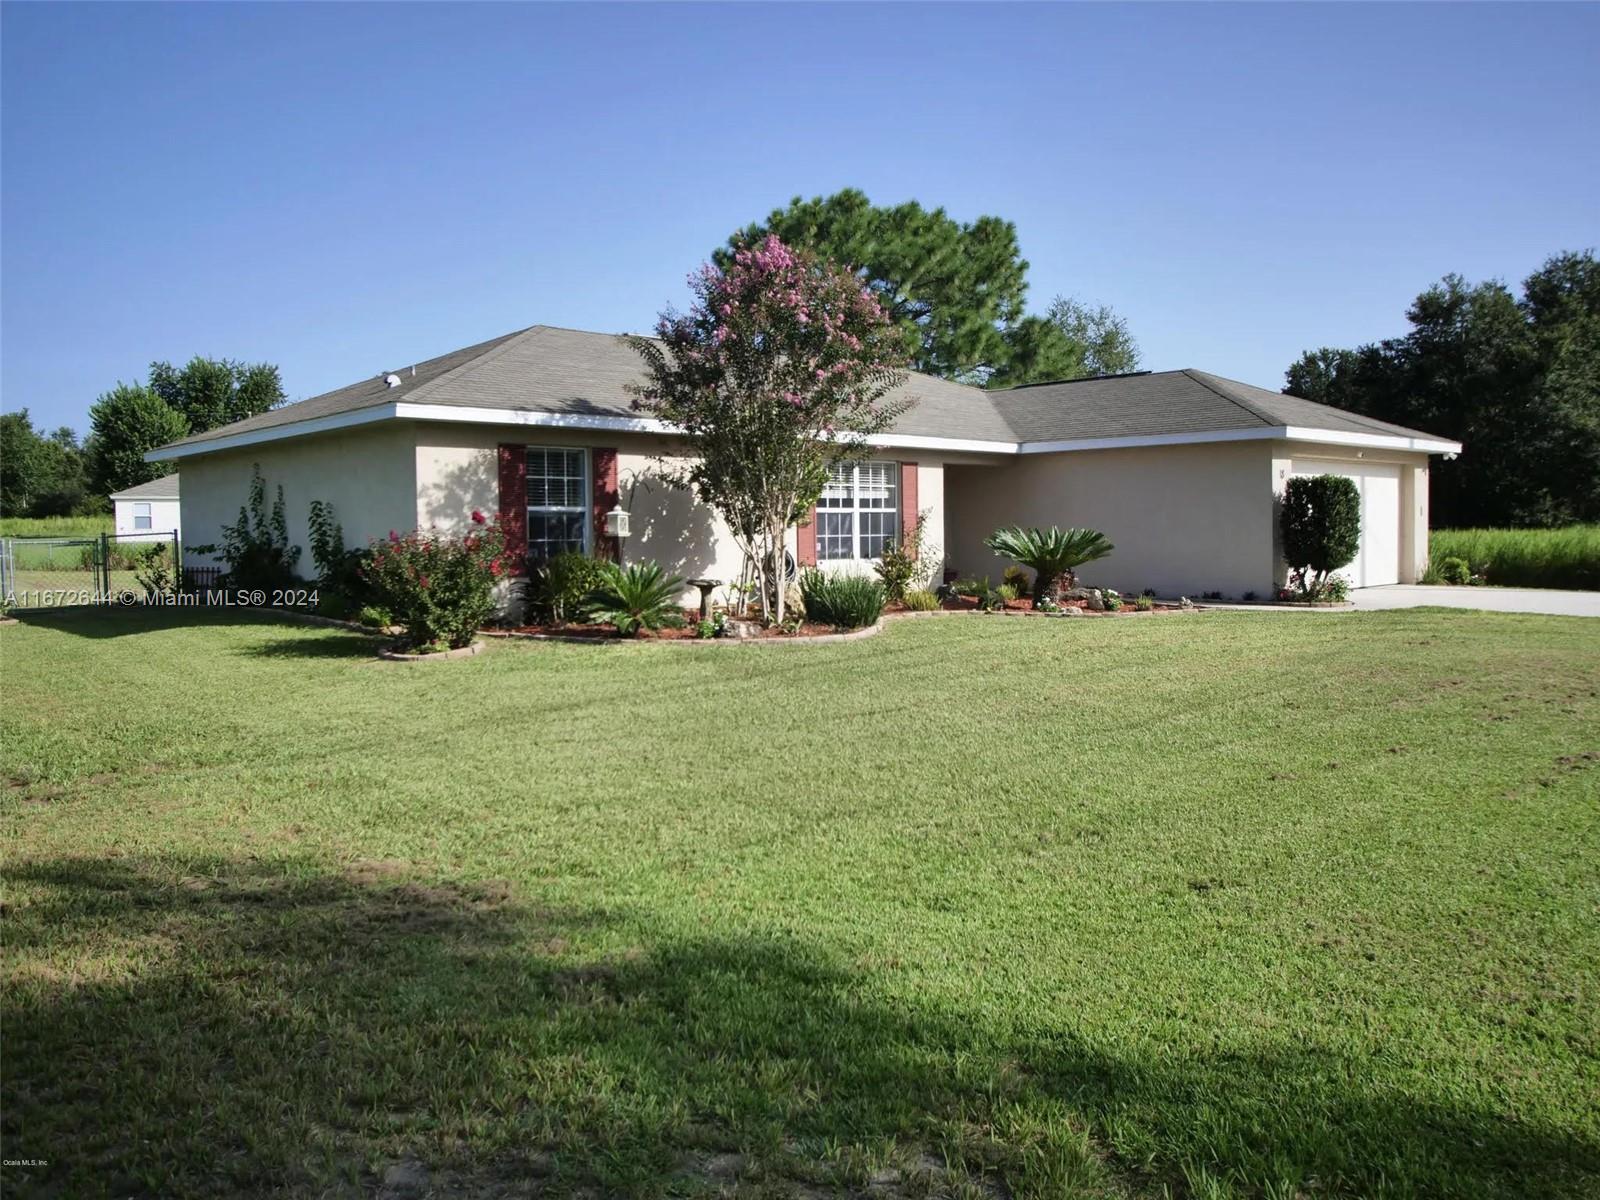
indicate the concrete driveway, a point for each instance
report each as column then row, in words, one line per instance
column 1491, row 599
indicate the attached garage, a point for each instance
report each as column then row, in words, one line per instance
column 1382, row 517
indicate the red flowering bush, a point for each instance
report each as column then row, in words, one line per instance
column 440, row 587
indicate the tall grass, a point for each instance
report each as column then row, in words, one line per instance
column 56, row 526
column 1551, row 558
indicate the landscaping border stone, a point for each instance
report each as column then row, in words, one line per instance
column 390, row 655
column 810, row 639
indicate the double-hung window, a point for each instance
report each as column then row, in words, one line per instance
column 558, row 501
column 141, row 514
column 859, row 512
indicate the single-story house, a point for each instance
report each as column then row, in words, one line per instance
column 1180, row 469
column 152, row 508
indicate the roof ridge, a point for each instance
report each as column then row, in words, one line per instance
column 505, row 342
column 1204, row 380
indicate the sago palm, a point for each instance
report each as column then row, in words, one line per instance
column 1051, row 552
column 639, row 596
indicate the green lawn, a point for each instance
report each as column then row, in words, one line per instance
column 1255, row 905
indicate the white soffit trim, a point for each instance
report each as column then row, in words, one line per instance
column 523, row 416
column 273, row 433
column 1133, row 441
column 1379, row 441
column 620, row 424
column 1296, row 433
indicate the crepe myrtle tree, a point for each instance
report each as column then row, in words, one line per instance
column 782, row 366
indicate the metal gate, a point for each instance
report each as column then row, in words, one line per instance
column 111, row 568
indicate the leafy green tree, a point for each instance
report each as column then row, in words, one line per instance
column 216, row 391
column 1107, row 346
column 40, row 476
column 1037, row 351
column 952, row 287
column 21, row 465
column 1516, row 380
column 124, row 423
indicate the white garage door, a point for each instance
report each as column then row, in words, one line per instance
column 1379, row 558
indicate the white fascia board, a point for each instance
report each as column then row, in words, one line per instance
column 522, row 416
column 1133, row 441
column 622, row 424
column 912, row 441
column 515, row 417
column 1296, row 433
column 1378, row 441
column 275, row 433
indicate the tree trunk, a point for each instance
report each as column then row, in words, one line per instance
column 1043, row 584
column 781, row 583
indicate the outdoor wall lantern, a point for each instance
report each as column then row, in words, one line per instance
column 617, row 523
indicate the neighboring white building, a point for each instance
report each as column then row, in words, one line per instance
column 151, row 508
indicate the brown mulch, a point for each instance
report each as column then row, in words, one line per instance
column 1025, row 605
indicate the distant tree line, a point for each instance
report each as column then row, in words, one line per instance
column 1515, row 379
column 44, row 475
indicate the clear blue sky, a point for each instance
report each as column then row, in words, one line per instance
column 346, row 189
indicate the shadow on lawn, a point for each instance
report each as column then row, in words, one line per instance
column 204, row 1027
column 115, row 622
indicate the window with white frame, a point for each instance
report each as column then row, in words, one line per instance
column 141, row 515
column 859, row 512
column 558, row 501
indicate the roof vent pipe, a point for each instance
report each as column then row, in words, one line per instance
column 391, row 381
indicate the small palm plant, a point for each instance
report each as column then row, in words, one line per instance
column 635, row 597
column 1051, row 553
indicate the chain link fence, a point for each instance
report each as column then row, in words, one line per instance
column 110, row 568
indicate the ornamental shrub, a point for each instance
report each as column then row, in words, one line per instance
column 342, row 588
column 256, row 546
column 439, row 587
column 636, row 597
column 1320, row 525
column 1455, row 571
column 921, row 600
column 897, row 565
column 843, row 601
column 561, row 585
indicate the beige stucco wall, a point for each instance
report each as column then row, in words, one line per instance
column 1184, row 519
column 457, row 470
column 367, row 475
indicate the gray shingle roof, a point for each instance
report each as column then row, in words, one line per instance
column 1164, row 402
column 553, row 370
column 165, row 488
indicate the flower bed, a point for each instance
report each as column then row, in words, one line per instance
column 1024, row 605
column 687, row 632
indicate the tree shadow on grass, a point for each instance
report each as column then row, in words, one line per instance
column 184, row 1026
column 348, row 645
column 115, row 622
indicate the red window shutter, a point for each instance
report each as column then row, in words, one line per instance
column 908, row 501
column 603, row 462
column 514, row 503
column 805, row 541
